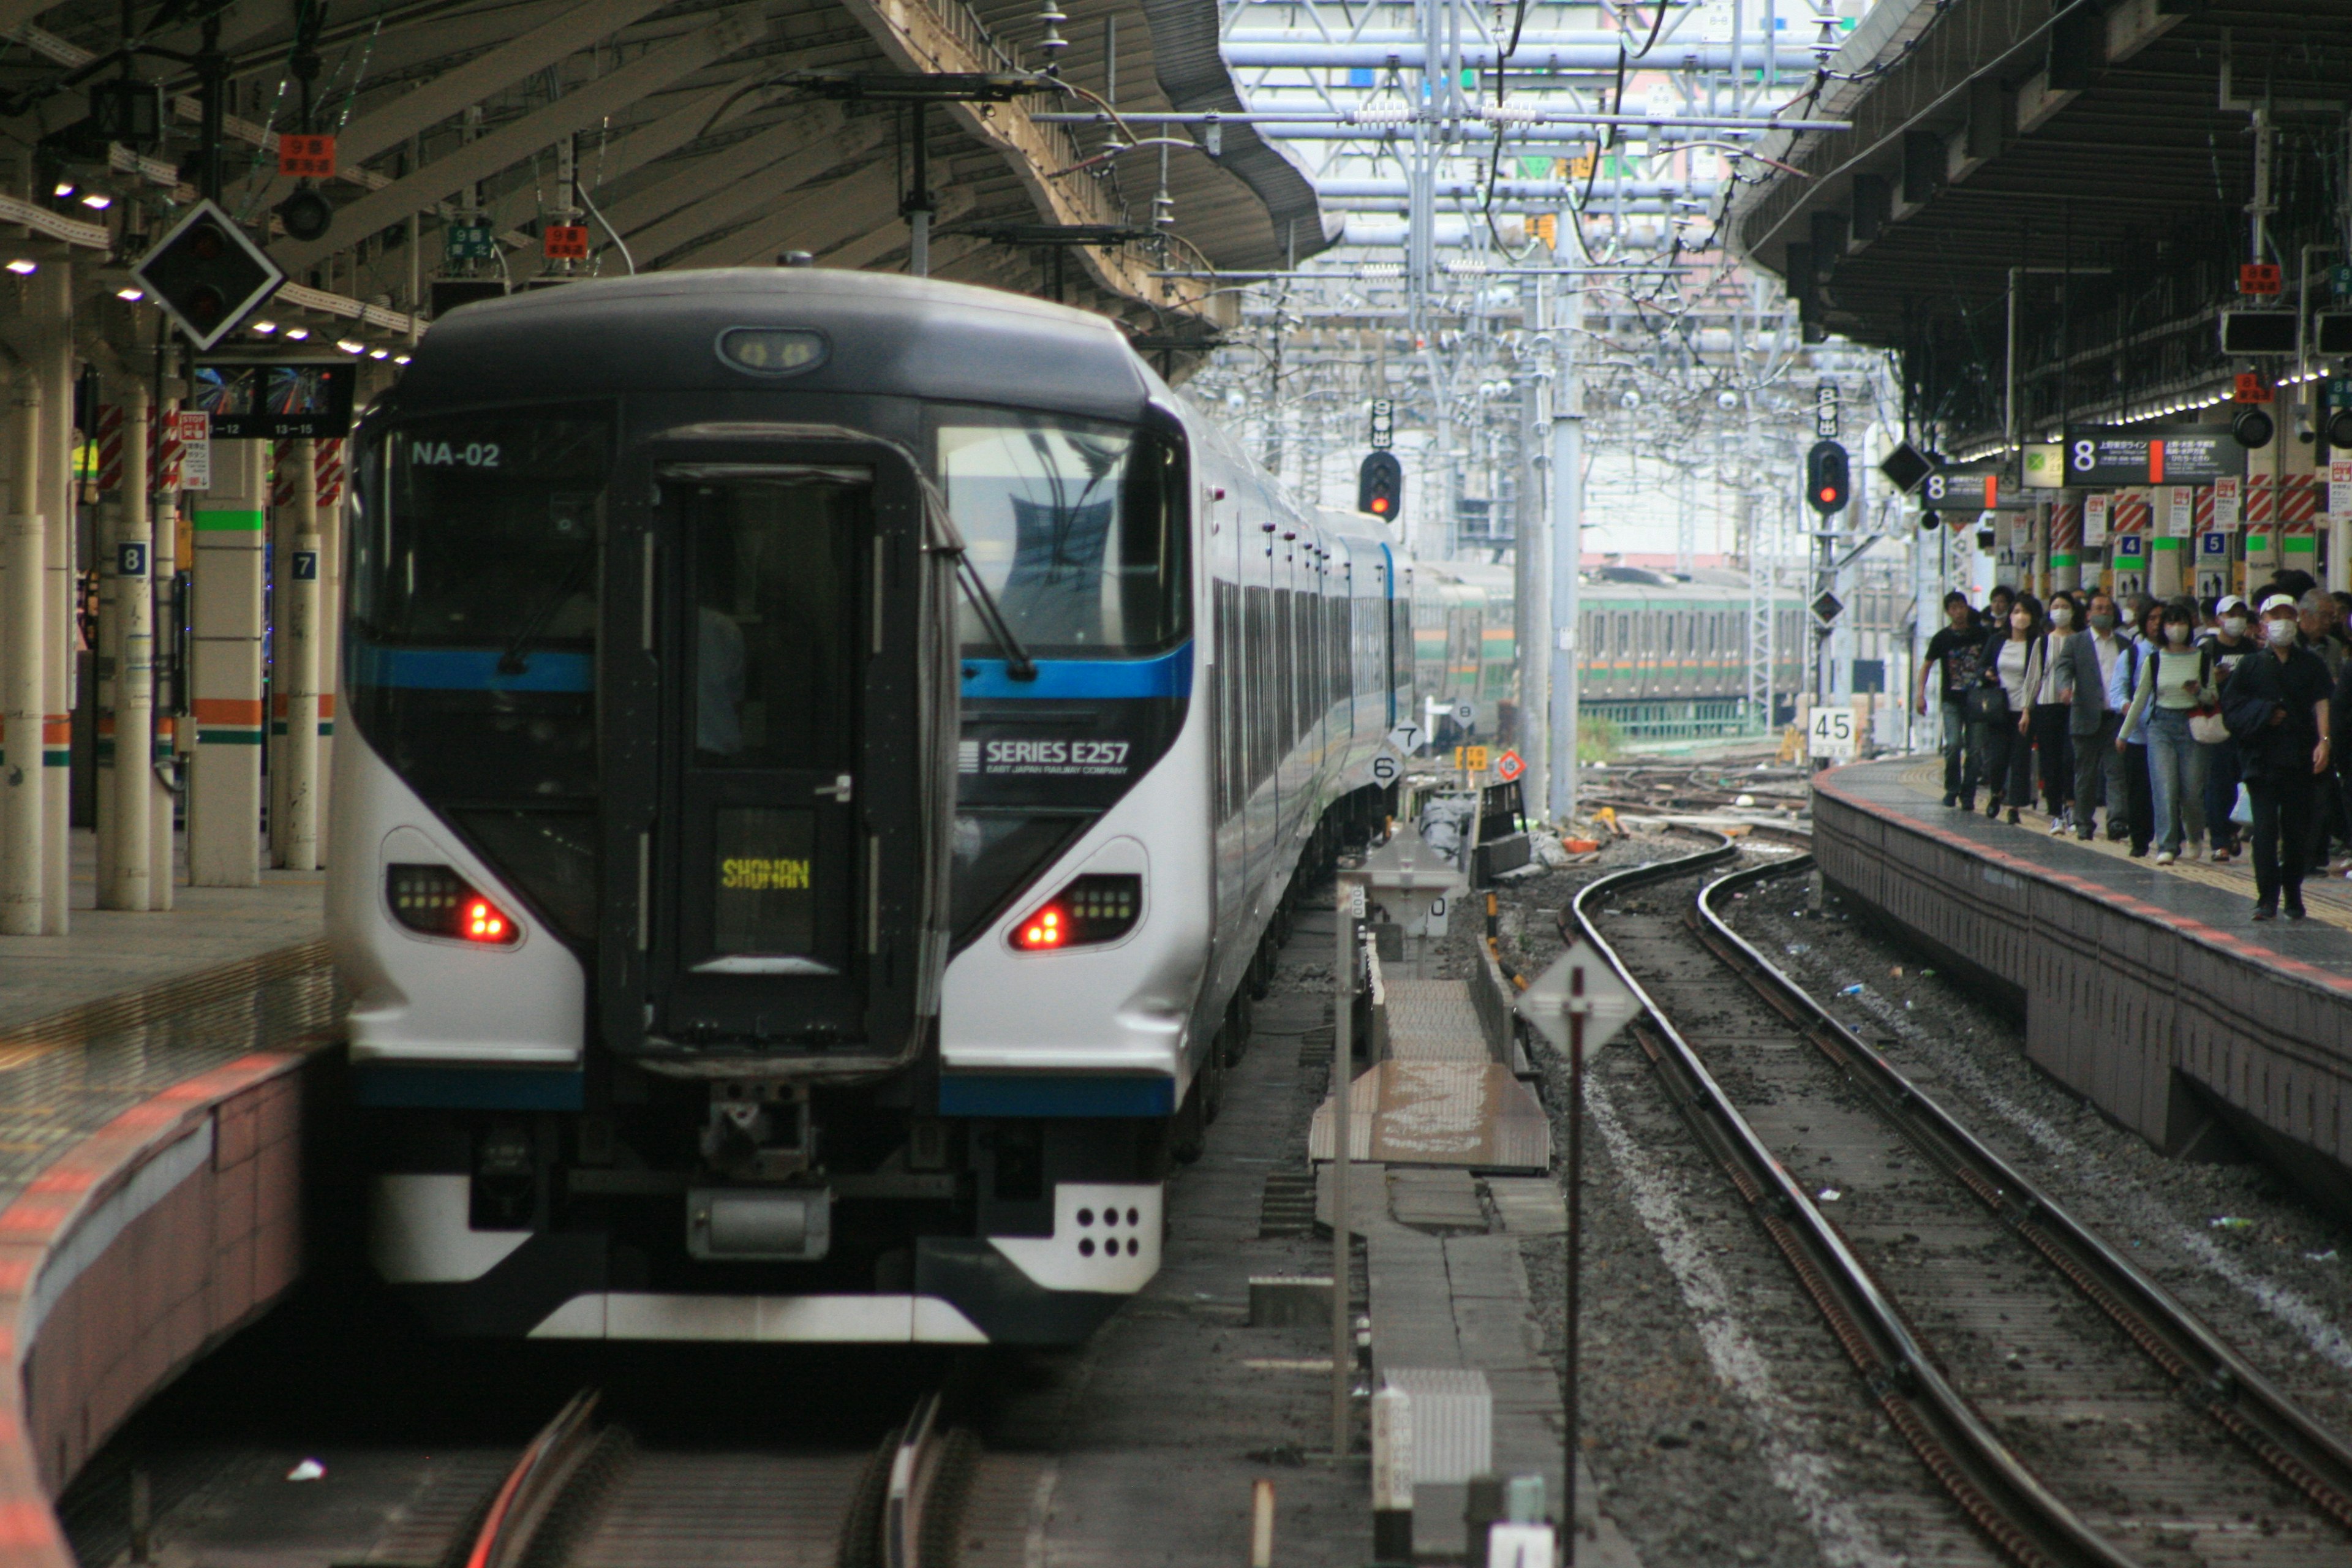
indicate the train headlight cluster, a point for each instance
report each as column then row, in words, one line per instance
column 438, row 902
column 1092, row 910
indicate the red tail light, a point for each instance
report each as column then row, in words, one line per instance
column 1091, row 910
column 436, row 901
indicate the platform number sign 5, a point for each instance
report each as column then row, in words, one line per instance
column 1832, row 734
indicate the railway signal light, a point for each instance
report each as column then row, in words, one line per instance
column 2254, row 427
column 1379, row 486
column 207, row 275
column 1829, row 484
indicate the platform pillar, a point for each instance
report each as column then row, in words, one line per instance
column 127, row 820
column 50, row 312
column 298, row 606
column 23, row 644
column 279, row 522
column 225, row 768
column 170, row 679
column 332, row 475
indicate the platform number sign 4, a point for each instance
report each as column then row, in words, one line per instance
column 1832, row 734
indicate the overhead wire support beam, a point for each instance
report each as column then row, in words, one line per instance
column 1484, row 114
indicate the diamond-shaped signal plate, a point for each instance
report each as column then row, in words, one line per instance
column 1906, row 466
column 1582, row 983
column 1827, row 607
column 207, row 275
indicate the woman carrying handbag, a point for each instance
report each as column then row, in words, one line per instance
column 2001, row 703
column 2177, row 694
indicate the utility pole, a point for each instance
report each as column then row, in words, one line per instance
column 1530, row 577
column 1567, row 549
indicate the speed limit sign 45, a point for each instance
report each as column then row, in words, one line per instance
column 1832, row 734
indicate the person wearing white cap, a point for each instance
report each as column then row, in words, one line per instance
column 2276, row 705
column 2230, row 641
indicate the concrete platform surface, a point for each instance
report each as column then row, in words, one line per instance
column 108, row 952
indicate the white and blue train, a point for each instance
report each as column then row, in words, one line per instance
column 829, row 756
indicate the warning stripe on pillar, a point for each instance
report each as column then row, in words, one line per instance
column 166, row 737
column 326, row 714
column 110, row 446
column 168, row 450
column 2065, row 534
column 228, row 720
column 57, row 739
column 282, row 474
column 2298, row 508
column 330, row 466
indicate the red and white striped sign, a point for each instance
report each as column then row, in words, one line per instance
column 168, row 447
column 282, row 474
column 109, row 439
column 330, row 473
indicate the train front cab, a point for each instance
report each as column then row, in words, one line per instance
column 664, row 1025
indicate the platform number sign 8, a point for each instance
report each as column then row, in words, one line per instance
column 2083, row 456
column 1832, row 734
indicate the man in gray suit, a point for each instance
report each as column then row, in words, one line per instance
column 2079, row 676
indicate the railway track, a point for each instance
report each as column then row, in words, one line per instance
column 584, row 1494
column 2076, row 1412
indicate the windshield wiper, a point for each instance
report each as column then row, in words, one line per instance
column 1018, row 665
column 516, row 660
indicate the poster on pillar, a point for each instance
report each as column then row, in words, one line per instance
column 193, row 433
column 2180, row 506
column 2228, row 499
column 2339, row 488
column 2094, row 521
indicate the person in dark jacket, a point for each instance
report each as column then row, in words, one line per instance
column 2277, row 705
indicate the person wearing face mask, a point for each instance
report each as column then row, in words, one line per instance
column 2232, row 641
column 2318, row 620
column 2131, row 741
column 2277, row 705
column 1954, row 649
column 2052, row 712
column 2009, row 673
column 2175, row 680
column 2095, row 719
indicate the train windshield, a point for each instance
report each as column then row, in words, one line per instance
column 1077, row 527
column 473, row 601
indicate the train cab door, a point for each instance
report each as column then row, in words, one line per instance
column 759, row 874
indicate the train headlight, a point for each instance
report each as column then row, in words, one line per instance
column 1092, row 910
column 438, row 902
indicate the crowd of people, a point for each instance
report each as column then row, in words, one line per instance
column 2207, row 728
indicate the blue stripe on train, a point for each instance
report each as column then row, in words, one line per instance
column 406, row 1086
column 469, row 669
column 1054, row 1094
column 1169, row 675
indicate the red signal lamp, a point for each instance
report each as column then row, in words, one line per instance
column 1097, row 907
column 1043, row 930
column 434, row 900
column 483, row 921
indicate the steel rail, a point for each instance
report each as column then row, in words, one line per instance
column 525, row 1502
column 2211, row 1373
column 1995, row 1488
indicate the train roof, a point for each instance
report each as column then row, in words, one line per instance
column 885, row 335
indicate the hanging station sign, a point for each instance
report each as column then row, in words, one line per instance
column 2101, row 457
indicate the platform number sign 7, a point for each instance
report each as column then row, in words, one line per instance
column 1832, row 734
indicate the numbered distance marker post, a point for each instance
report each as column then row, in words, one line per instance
column 1832, row 736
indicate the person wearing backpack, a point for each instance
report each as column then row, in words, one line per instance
column 2175, row 690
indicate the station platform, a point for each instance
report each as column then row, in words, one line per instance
column 110, row 952
column 151, row 1124
column 2147, row 989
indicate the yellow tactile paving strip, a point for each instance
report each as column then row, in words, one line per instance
column 2328, row 898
